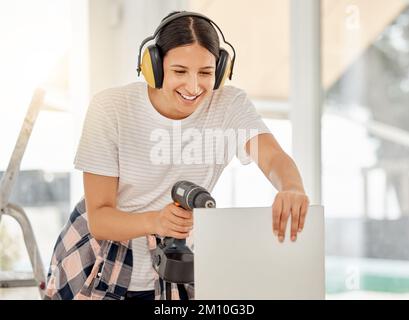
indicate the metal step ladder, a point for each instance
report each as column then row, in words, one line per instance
column 11, row 279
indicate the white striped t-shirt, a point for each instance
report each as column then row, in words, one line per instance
column 125, row 136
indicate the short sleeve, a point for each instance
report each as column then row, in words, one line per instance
column 248, row 123
column 98, row 147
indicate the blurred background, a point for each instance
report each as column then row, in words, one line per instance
column 335, row 95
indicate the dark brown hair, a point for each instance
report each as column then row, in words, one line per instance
column 188, row 30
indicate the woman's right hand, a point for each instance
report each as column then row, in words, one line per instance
column 173, row 221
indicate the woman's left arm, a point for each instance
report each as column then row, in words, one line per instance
column 282, row 172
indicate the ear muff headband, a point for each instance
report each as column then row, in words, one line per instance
column 157, row 78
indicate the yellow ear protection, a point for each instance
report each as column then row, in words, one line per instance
column 151, row 63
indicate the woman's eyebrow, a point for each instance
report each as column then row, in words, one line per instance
column 184, row 67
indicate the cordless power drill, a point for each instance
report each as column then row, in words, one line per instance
column 173, row 260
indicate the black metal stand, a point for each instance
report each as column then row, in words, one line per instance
column 173, row 261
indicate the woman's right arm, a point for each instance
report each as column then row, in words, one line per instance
column 108, row 223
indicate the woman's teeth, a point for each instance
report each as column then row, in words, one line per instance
column 190, row 98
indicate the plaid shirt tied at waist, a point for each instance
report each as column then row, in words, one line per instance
column 85, row 268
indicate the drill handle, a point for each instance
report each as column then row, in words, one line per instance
column 173, row 242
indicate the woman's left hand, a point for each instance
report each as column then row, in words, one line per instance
column 286, row 203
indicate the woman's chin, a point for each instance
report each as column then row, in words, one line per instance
column 183, row 112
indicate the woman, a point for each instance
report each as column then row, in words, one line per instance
column 139, row 140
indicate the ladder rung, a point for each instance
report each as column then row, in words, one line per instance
column 10, row 279
column 18, row 283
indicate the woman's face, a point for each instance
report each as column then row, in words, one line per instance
column 189, row 76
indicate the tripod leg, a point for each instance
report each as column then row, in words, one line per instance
column 168, row 288
column 182, row 292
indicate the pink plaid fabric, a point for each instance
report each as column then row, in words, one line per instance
column 84, row 268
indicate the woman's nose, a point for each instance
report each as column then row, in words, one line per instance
column 192, row 85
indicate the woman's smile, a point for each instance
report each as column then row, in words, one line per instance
column 188, row 99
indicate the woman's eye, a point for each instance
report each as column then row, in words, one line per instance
column 206, row 73
column 179, row 71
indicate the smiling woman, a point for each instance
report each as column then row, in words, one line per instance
column 187, row 82
column 105, row 251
